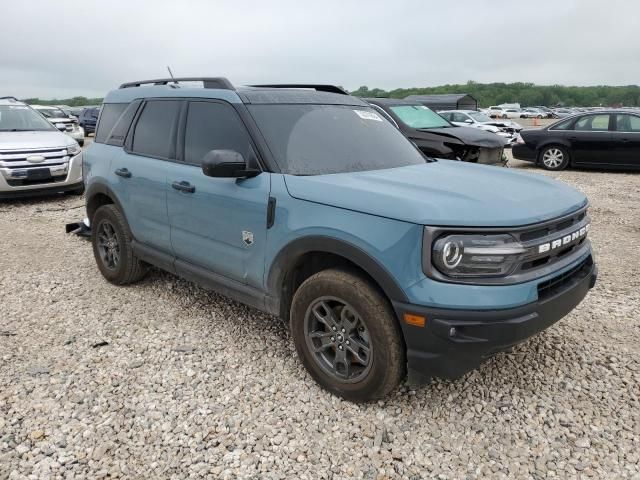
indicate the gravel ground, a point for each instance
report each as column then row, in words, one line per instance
column 165, row 380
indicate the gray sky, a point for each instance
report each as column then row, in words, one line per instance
column 89, row 47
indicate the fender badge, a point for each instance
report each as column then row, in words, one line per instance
column 247, row 237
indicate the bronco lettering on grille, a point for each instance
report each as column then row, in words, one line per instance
column 562, row 241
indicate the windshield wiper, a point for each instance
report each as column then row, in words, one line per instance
column 15, row 130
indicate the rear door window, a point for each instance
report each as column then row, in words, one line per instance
column 593, row 123
column 627, row 123
column 155, row 129
column 213, row 126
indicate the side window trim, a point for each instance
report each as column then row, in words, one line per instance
column 128, row 145
column 182, row 131
column 382, row 111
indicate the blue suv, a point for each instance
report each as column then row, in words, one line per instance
column 302, row 201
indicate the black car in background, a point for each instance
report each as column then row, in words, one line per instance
column 436, row 137
column 603, row 138
column 88, row 119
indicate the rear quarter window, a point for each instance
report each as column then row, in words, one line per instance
column 108, row 118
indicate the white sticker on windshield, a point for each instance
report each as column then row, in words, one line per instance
column 17, row 107
column 366, row 115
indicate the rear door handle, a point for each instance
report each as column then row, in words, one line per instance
column 184, row 187
column 123, row 172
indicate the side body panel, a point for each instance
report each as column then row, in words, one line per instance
column 222, row 225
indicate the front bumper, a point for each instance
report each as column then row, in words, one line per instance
column 64, row 177
column 452, row 342
column 77, row 134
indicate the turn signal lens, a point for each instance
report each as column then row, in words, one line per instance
column 415, row 320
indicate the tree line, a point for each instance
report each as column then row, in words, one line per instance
column 526, row 94
column 487, row 94
column 72, row 102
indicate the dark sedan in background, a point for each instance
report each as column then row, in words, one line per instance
column 437, row 137
column 604, row 138
column 88, row 119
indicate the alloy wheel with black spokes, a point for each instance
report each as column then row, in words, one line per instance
column 554, row 158
column 108, row 245
column 347, row 335
column 339, row 339
column 112, row 247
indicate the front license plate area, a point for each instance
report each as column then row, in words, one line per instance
column 38, row 174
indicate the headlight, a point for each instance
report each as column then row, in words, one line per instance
column 74, row 150
column 476, row 255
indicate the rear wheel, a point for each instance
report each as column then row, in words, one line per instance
column 112, row 248
column 554, row 158
column 347, row 336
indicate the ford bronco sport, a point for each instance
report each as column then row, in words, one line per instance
column 302, row 201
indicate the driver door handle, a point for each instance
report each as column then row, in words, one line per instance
column 123, row 172
column 184, row 187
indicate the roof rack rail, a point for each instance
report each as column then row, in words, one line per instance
column 207, row 82
column 319, row 88
column 9, row 97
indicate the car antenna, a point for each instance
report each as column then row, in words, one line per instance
column 171, row 75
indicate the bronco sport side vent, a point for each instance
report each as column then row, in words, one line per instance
column 207, row 82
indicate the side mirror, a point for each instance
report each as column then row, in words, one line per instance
column 226, row 164
column 61, row 126
column 468, row 120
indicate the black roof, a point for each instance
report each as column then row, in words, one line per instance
column 391, row 101
column 445, row 97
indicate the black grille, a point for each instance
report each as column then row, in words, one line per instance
column 552, row 227
column 559, row 283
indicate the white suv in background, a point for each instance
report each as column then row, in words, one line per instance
column 62, row 122
column 35, row 157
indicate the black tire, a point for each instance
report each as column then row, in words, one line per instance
column 370, row 322
column 127, row 268
column 554, row 158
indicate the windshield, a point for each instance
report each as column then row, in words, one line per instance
column 480, row 117
column 324, row 139
column 18, row 118
column 52, row 112
column 419, row 116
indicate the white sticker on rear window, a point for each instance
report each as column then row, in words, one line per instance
column 366, row 115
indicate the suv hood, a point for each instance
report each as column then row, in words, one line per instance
column 467, row 135
column 33, row 140
column 443, row 193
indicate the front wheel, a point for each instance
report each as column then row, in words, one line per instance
column 347, row 336
column 554, row 158
column 112, row 247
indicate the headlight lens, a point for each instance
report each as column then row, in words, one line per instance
column 74, row 149
column 476, row 255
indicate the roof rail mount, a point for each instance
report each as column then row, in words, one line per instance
column 207, row 82
column 9, row 97
column 319, row 88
